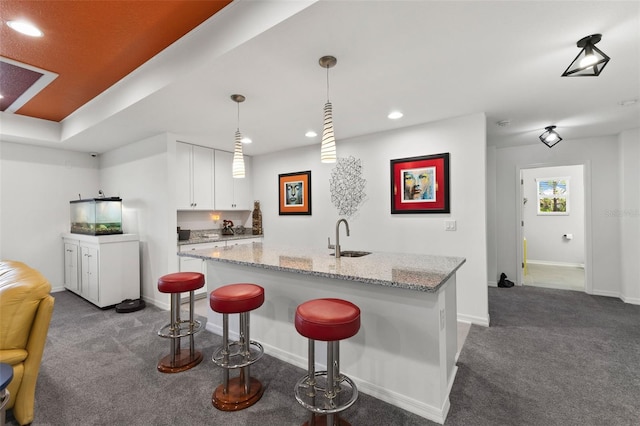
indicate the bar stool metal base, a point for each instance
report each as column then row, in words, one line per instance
column 180, row 359
column 236, row 398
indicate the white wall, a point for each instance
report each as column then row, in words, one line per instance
column 140, row 173
column 601, row 159
column 374, row 227
column 629, row 214
column 36, row 185
column 544, row 233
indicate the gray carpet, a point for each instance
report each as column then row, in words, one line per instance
column 550, row 357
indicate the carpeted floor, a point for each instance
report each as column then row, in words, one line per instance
column 550, row 357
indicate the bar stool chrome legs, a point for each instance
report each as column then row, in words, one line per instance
column 179, row 360
column 242, row 391
column 327, row 393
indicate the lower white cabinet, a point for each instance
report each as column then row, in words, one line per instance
column 105, row 270
column 192, row 264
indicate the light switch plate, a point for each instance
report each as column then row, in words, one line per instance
column 449, row 225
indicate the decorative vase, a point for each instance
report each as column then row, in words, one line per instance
column 257, row 218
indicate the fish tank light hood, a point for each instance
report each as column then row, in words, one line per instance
column 96, row 216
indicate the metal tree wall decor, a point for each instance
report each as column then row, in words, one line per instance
column 347, row 186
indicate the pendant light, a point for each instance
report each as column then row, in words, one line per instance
column 550, row 137
column 238, row 157
column 328, row 147
column 590, row 61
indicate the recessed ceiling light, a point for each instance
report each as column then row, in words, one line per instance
column 246, row 140
column 311, row 134
column 394, row 115
column 25, row 28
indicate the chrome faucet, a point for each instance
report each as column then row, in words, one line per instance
column 337, row 252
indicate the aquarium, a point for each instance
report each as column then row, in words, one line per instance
column 96, row 216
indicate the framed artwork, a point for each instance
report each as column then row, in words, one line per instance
column 295, row 193
column 553, row 196
column 420, row 184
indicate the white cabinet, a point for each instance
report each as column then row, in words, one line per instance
column 192, row 264
column 105, row 269
column 71, row 267
column 194, row 177
column 244, row 241
column 231, row 193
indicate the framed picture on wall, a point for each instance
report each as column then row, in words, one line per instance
column 295, row 193
column 553, row 196
column 420, row 184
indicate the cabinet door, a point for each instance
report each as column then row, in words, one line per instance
column 230, row 193
column 203, row 178
column 90, row 275
column 71, row 270
column 224, row 180
column 243, row 189
column 191, row 264
column 184, row 193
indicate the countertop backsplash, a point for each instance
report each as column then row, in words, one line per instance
column 208, row 222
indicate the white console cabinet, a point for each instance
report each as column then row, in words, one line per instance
column 104, row 269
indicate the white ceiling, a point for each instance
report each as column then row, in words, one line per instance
column 430, row 59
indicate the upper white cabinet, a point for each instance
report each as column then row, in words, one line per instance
column 194, row 177
column 231, row 193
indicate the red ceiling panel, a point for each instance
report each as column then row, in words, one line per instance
column 93, row 44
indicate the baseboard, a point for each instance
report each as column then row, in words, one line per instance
column 492, row 284
column 630, row 300
column 474, row 319
column 57, row 289
column 550, row 263
column 606, row 293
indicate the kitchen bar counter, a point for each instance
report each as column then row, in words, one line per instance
column 408, row 271
column 406, row 348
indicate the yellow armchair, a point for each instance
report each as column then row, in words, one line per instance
column 25, row 312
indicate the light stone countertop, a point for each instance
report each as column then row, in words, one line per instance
column 410, row 271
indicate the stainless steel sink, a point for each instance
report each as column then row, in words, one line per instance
column 352, row 253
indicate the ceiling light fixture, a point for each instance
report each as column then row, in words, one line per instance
column 238, row 157
column 394, row 115
column 550, row 137
column 590, row 61
column 311, row 134
column 26, row 28
column 328, row 148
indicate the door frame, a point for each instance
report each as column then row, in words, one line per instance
column 588, row 251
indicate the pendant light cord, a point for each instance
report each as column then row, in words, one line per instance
column 327, row 84
column 238, row 116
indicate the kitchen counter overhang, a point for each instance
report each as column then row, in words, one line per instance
column 402, row 270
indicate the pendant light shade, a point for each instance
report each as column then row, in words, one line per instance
column 328, row 148
column 590, row 61
column 550, row 137
column 238, row 157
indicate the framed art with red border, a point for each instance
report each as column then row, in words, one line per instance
column 420, row 184
column 295, row 193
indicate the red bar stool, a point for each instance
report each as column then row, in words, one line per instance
column 243, row 391
column 177, row 283
column 329, row 320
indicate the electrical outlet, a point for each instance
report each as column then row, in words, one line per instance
column 449, row 225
